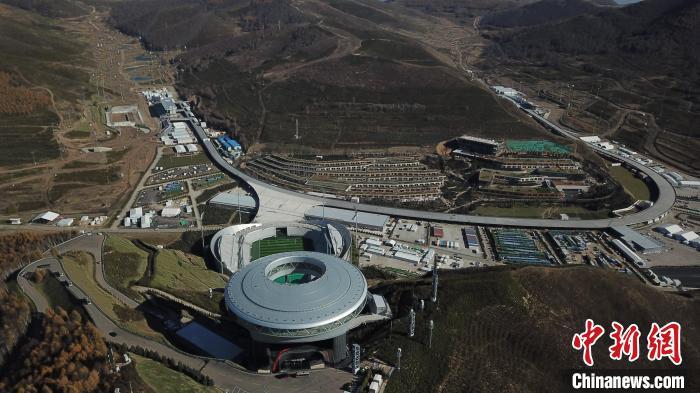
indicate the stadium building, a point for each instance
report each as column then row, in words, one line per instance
column 298, row 307
column 472, row 144
column 236, row 246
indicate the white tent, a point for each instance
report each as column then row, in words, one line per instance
column 46, row 217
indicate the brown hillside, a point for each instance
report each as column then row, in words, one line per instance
column 511, row 330
column 17, row 99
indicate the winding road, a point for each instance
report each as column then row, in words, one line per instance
column 225, row 374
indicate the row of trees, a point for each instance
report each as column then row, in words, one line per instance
column 20, row 100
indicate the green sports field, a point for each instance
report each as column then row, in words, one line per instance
column 294, row 278
column 275, row 245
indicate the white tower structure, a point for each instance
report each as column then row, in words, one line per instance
column 430, row 333
column 433, row 298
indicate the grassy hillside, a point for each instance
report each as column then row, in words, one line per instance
column 51, row 8
column 37, row 54
column 344, row 74
column 124, row 263
column 43, row 52
column 160, row 378
column 187, row 277
column 511, row 330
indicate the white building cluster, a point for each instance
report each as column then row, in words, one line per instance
column 411, row 254
column 137, row 217
column 177, row 133
column 675, row 231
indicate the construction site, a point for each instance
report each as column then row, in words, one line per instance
column 397, row 178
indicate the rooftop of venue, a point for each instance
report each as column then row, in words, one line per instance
column 636, row 239
column 348, row 216
column 296, row 290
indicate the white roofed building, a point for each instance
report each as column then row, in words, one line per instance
column 506, row 91
column 669, row 229
column 686, row 237
column 146, row 221
column 65, row 222
column 591, row 139
column 136, row 213
column 695, row 243
column 46, row 217
column 170, row 212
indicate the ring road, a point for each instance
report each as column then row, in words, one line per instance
column 664, row 202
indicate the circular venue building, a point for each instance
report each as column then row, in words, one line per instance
column 236, row 246
column 300, row 305
column 293, row 291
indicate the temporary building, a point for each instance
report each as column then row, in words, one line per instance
column 66, row 222
column 686, row 237
column 170, row 212
column 136, row 213
column 46, row 217
column 669, row 229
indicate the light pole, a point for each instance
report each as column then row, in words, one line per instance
column 201, row 227
column 430, row 333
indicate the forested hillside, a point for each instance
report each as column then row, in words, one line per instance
column 18, row 250
column 68, row 355
column 658, row 35
column 545, row 11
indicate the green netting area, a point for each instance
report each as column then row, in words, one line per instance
column 275, row 245
column 520, row 146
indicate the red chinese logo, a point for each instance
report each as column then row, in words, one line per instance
column 587, row 339
column 662, row 342
column 625, row 342
column 665, row 342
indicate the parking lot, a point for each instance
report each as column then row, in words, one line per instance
column 452, row 240
column 410, row 231
column 156, row 195
column 181, row 173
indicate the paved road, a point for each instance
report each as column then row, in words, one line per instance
column 138, row 188
column 224, row 375
column 193, row 199
column 275, row 201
